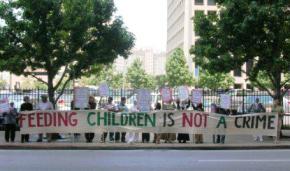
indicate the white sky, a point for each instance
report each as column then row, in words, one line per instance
column 146, row 19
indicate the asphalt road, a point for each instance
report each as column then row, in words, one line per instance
column 149, row 160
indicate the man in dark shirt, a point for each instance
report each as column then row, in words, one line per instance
column 26, row 106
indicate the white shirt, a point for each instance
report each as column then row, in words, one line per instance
column 44, row 106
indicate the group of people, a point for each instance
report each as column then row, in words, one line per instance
column 11, row 117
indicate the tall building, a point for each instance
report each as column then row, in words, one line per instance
column 180, row 31
column 153, row 63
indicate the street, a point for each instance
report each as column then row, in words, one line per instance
column 159, row 160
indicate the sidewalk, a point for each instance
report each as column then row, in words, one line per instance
column 68, row 143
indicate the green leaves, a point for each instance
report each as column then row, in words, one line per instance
column 177, row 71
column 246, row 31
column 55, row 34
column 138, row 78
column 215, row 81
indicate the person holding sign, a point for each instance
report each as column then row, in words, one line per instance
column 181, row 137
column 109, row 107
column 10, row 123
column 257, row 107
column 26, row 106
column 198, row 137
column 92, row 105
column 44, row 105
column 122, row 108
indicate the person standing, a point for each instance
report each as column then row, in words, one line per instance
column 44, row 105
column 198, row 137
column 10, row 121
column 157, row 135
column 26, row 106
column 92, row 105
column 168, row 137
column 111, row 108
column 122, row 108
column 133, row 136
column 257, row 107
column 182, row 137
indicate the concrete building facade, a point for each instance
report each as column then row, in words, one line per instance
column 180, row 31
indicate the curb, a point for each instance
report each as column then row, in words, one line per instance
column 140, row 147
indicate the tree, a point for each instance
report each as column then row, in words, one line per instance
column 66, row 37
column 160, row 81
column 257, row 32
column 177, row 71
column 215, row 81
column 138, row 78
column 107, row 74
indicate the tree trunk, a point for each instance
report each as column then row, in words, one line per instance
column 51, row 90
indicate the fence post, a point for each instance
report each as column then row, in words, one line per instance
column 243, row 101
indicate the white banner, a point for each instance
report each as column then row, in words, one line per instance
column 81, row 121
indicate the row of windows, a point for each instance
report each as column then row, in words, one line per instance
column 201, row 2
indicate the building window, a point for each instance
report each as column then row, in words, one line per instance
column 198, row 2
column 211, row 2
column 211, row 14
column 197, row 13
column 249, row 86
column 237, row 72
column 238, row 86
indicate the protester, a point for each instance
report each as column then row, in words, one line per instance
column 168, row 137
column 181, row 137
column 277, row 108
column 198, row 138
column 10, row 121
column 92, row 105
column 221, row 138
column 214, row 109
column 26, row 106
column 111, row 108
column 157, row 136
column 44, row 105
column 257, row 107
column 121, row 108
column 133, row 137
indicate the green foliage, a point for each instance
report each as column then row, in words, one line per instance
column 161, row 81
column 29, row 84
column 77, row 35
column 215, row 81
column 177, row 71
column 107, row 74
column 138, row 78
column 245, row 31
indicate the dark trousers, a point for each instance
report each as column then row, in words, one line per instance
column 10, row 132
column 89, row 136
column 219, row 139
column 145, row 137
column 24, row 138
column 123, row 136
column 105, row 134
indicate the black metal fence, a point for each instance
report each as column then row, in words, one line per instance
column 240, row 99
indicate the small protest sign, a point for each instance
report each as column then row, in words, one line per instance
column 166, row 94
column 183, row 93
column 104, row 90
column 4, row 105
column 144, row 100
column 81, row 97
column 196, row 96
column 225, row 101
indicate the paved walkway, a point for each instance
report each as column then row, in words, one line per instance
column 68, row 142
